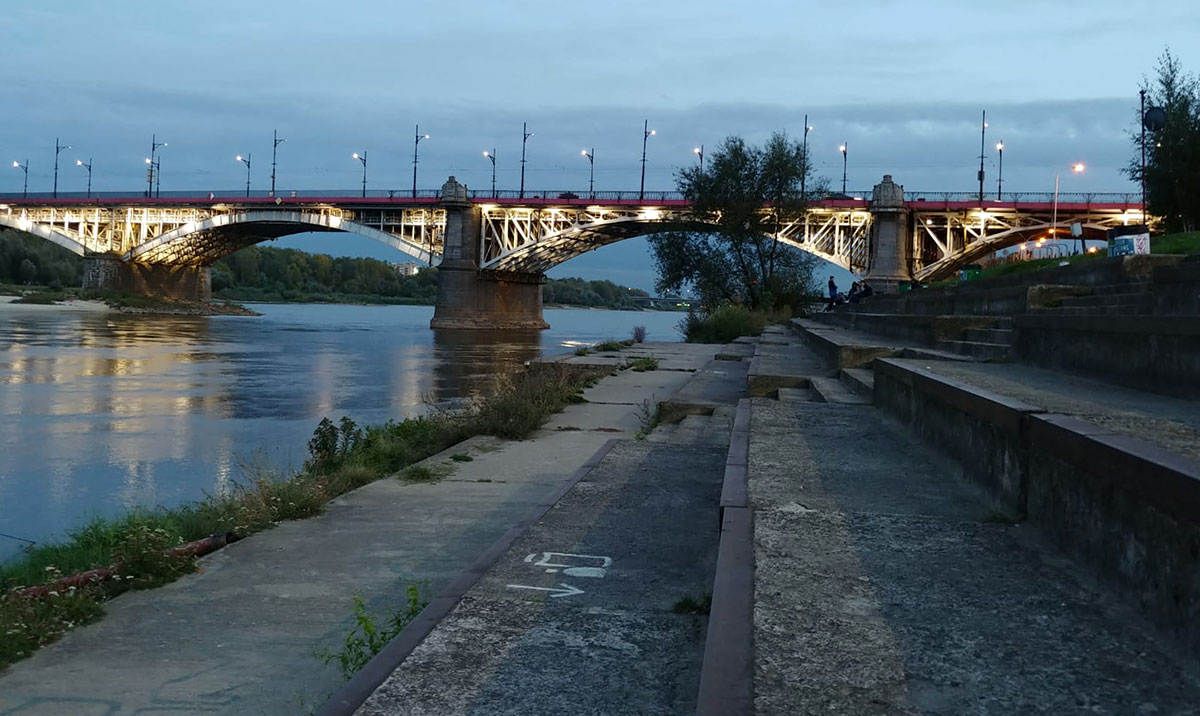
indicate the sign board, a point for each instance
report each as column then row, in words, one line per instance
column 1129, row 240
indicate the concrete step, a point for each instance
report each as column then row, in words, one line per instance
column 1114, row 299
column 1122, row 288
column 860, row 381
column 797, row 395
column 933, row 354
column 830, row 390
column 1094, row 311
column 1002, row 322
column 720, row 424
column 1003, row 336
column 978, row 349
column 663, row 432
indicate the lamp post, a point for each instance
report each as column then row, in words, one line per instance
column 525, row 135
column 1077, row 168
column 362, row 158
column 416, row 144
column 1000, row 171
column 843, row 150
column 245, row 160
column 57, row 150
column 1142, row 143
column 153, row 175
column 492, row 156
column 646, row 134
column 804, row 151
column 591, row 157
column 275, row 142
column 25, row 168
column 86, row 165
column 699, row 152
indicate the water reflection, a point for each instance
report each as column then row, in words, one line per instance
column 102, row 412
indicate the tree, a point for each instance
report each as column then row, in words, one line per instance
column 1173, row 152
column 743, row 198
column 28, row 271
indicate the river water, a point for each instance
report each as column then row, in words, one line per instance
column 103, row 412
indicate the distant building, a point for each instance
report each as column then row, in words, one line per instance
column 407, row 268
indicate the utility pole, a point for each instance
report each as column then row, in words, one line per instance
column 982, row 138
column 276, row 141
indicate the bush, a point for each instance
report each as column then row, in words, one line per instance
column 727, row 323
column 639, row 334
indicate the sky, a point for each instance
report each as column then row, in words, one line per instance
column 902, row 84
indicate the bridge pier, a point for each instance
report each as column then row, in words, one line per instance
column 890, row 237
column 474, row 299
column 105, row 272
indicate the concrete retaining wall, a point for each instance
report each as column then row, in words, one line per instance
column 1159, row 353
column 1128, row 510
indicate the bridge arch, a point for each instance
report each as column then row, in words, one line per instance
column 20, row 223
column 206, row 241
column 978, row 249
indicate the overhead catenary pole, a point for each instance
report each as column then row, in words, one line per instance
column 275, row 142
column 57, row 150
column 152, row 175
column 982, row 139
column 525, row 135
column 416, row 145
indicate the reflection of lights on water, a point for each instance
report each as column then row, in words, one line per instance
column 574, row 344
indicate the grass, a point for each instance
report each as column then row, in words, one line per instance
column 461, row 457
column 342, row 457
column 610, row 346
column 42, row 298
column 649, row 417
column 370, row 632
column 582, row 351
column 641, row 365
column 690, row 605
column 1182, row 243
column 729, row 322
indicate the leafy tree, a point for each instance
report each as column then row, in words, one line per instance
column 745, row 196
column 1172, row 153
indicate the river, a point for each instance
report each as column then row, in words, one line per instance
column 103, row 412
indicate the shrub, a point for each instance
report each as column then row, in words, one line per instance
column 608, row 346
column 639, row 334
column 727, row 323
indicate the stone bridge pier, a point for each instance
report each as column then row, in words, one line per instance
column 469, row 297
column 108, row 272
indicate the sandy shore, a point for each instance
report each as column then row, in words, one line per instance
column 7, row 304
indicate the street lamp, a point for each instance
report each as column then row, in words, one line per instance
column 86, row 165
column 25, row 168
column 275, row 142
column 646, row 134
column 842, row 149
column 492, row 156
column 591, row 156
column 57, row 150
column 153, row 177
column 525, row 135
column 1000, row 171
column 362, row 158
column 245, row 160
column 417, row 143
column 1077, row 168
column 982, row 139
column 699, row 152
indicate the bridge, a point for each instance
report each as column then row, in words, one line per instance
column 506, row 241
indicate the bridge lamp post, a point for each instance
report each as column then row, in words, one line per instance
column 1000, row 171
column 153, row 180
column 646, row 134
column 492, row 156
column 416, row 144
column 699, row 152
column 86, row 165
column 842, row 149
column 57, row 150
column 525, row 135
column 591, row 157
column 804, row 150
column 245, row 160
column 362, row 158
column 25, row 168
column 1077, row 168
column 276, row 141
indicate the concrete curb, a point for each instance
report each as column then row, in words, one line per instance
column 346, row 700
column 727, row 674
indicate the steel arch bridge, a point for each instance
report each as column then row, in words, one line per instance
column 531, row 235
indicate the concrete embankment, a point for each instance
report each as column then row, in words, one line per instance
column 239, row 636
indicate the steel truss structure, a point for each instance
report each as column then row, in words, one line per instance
column 534, row 239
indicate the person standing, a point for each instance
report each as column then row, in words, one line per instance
column 832, row 293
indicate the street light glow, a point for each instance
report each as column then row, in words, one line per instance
column 1079, row 167
column 695, row 150
column 842, row 148
column 16, row 164
column 147, row 160
column 78, row 162
column 238, row 158
column 582, row 153
column 355, row 155
column 999, row 146
column 653, row 132
column 487, row 154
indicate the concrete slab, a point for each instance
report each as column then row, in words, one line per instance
column 880, row 589
column 576, row 617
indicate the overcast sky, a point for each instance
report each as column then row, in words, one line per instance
column 902, row 83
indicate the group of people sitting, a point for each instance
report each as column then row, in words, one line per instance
column 859, row 290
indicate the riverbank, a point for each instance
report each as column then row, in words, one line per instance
column 137, row 305
column 260, row 607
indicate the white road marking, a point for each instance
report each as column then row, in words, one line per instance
column 566, row 591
